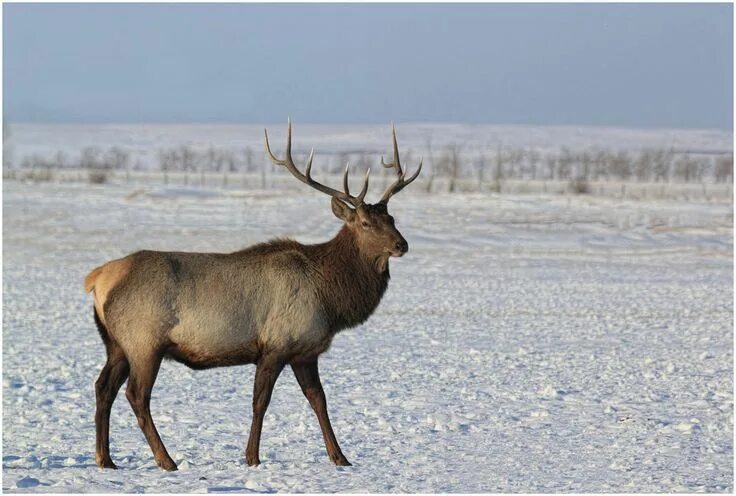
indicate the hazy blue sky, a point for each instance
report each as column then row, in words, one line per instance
column 622, row 65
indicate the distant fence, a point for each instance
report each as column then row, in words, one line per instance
column 272, row 178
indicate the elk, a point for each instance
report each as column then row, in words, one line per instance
column 272, row 304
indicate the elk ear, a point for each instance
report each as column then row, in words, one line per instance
column 342, row 210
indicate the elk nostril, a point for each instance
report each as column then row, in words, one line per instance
column 402, row 246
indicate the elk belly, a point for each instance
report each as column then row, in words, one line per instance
column 208, row 338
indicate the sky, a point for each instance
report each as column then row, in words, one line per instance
column 656, row 65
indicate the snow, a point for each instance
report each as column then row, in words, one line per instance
column 527, row 343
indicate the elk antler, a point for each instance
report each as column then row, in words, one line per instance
column 400, row 183
column 288, row 162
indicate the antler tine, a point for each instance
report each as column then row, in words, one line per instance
column 309, row 165
column 288, row 139
column 288, row 162
column 396, row 163
column 400, row 182
column 270, row 153
column 345, row 179
column 363, row 191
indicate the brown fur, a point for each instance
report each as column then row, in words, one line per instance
column 272, row 304
column 353, row 285
column 199, row 361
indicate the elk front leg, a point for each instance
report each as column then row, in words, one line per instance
column 267, row 371
column 307, row 374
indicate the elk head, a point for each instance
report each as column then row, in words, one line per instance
column 372, row 226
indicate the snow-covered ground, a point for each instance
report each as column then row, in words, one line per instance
column 526, row 343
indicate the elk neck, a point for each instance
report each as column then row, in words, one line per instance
column 354, row 281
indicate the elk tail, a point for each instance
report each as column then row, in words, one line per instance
column 89, row 281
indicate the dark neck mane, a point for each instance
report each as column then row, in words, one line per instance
column 353, row 283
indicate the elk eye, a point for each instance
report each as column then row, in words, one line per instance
column 366, row 224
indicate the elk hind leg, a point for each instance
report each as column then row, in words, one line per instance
column 143, row 372
column 267, row 371
column 113, row 376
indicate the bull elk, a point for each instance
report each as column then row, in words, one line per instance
column 271, row 304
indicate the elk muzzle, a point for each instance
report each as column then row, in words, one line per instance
column 399, row 248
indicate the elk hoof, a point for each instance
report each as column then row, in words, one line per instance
column 167, row 465
column 252, row 461
column 106, row 463
column 341, row 461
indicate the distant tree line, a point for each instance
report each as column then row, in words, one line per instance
column 454, row 162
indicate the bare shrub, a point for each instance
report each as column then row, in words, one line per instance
column 99, row 164
column 430, row 157
column 442, row 166
column 584, row 163
column 688, row 168
column 723, row 171
column 36, row 168
column 60, row 160
column 532, row 159
column 248, row 158
column 620, row 165
column 579, row 186
column 599, row 165
column 229, row 165
column 38, row 175
column 116, row 158
column 187, row 158
column 550, row 163
column 90, row 158
column 481, row 166
column 98, row 176
column 167, row 162
column 498, row 165
column 264, row 166
column 430, row 180
column 661, row 165
column 514, row 160
column 644, row 165
column 454, row 162
column 7, row 147
column 230, row 162
column 564, row 164
column 210, row 160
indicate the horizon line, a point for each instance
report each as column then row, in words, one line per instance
column 388, row 123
